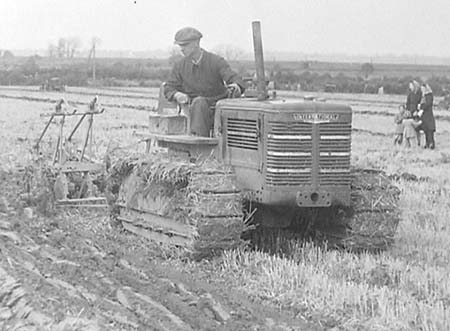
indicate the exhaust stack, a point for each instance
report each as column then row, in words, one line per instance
column 259, row 61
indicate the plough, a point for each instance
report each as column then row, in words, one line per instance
column 73, row 184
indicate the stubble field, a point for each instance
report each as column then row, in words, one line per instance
column 74, row 269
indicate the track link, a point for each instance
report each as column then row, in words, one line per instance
column 200, row 211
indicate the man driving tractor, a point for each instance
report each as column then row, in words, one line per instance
column 199, row 80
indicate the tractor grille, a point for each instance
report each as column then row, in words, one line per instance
column 334, row 153
column 288, row 156
column 242, row 133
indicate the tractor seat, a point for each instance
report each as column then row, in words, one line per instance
column 169, row 128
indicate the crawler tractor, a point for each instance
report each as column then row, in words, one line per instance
column 270, row 163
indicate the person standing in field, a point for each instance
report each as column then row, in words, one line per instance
column 427, row 116
column 199, row 80
column 412, row 121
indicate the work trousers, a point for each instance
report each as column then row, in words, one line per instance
column 201, row 116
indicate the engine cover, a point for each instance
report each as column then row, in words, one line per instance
column 287, row 152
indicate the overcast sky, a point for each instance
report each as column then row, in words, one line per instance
column 311, row 26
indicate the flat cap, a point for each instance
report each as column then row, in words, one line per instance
column 186, row 35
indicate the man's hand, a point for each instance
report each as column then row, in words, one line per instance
column 181, row 98
column 235, row 90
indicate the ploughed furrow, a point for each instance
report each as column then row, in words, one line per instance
column 15, row 308
column 86, row 287
column 19, row 307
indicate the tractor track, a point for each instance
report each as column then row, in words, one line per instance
column 353, row 98
column 372, row 133
column 391, row 114
column 49, row 100
column 128, row 96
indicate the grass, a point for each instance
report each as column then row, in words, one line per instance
column 341, row 289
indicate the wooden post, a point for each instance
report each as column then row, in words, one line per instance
column 91, row 135
column 61, row 140
column 43, row 133
column 76, row 127
column 55, row 154
column 86, row 140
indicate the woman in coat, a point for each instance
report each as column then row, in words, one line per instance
column 414, row 97
column 428, row 121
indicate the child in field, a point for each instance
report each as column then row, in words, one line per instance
column 411, row 123
column 399, row 127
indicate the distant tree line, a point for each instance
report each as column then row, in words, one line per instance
column 306, row 80
column 78, row 73
column 147, row 72
column 313, row 81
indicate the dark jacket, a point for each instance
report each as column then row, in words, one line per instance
column 204, row 79
column 413, row 101
column 428, row 121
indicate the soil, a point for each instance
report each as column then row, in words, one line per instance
column 75, row 270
